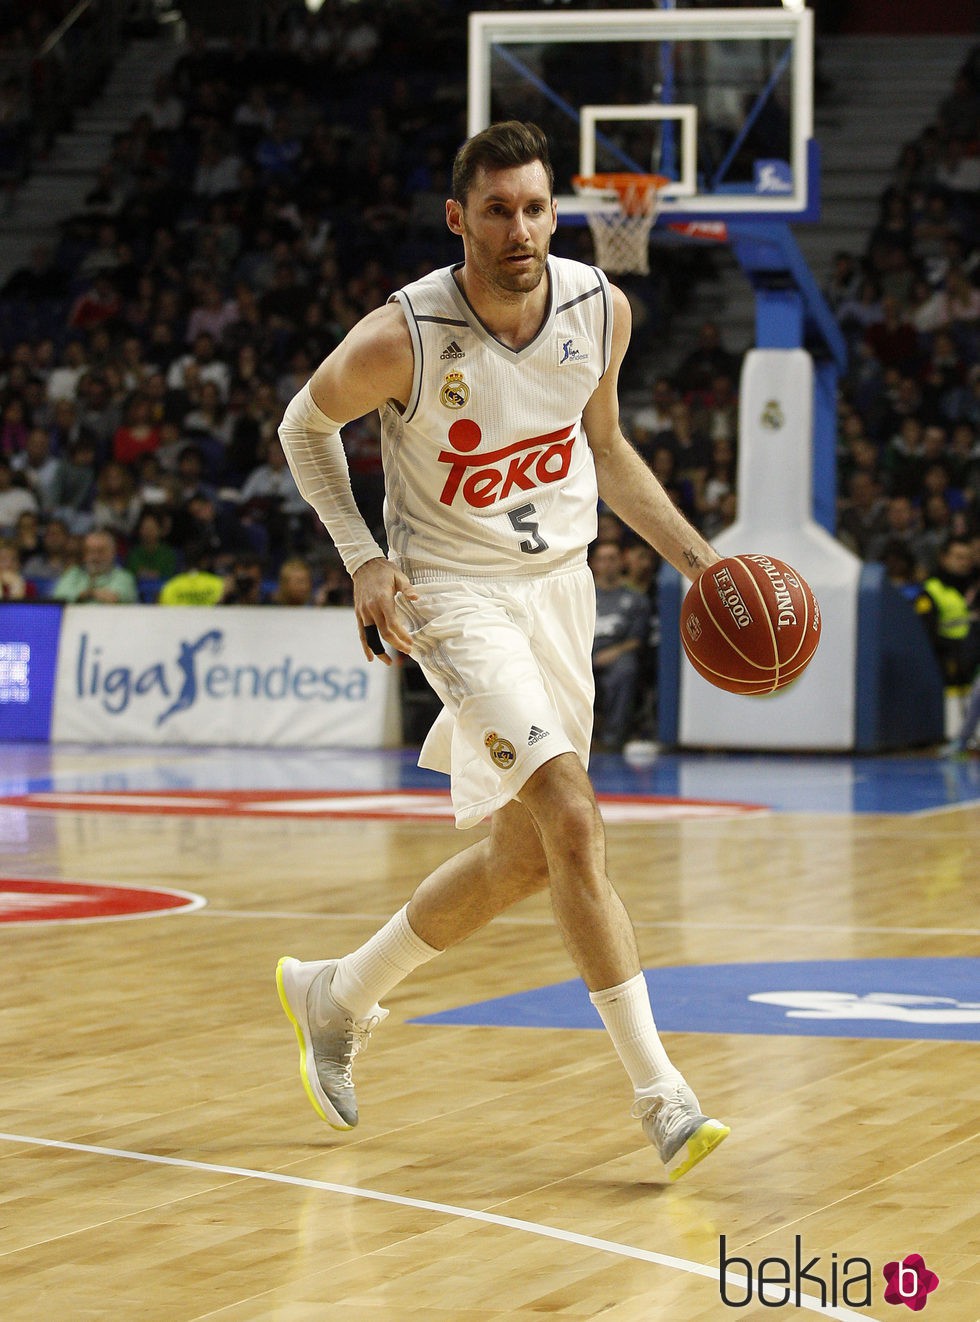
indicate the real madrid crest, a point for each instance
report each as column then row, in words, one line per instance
column 772, row 415
column 503, row 755
column 455, row 392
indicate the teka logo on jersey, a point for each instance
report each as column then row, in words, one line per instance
column 483, row 479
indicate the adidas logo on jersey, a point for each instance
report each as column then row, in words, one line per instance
column 452, row 350
column 536, row 735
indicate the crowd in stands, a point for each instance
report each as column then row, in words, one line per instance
column 259, row 204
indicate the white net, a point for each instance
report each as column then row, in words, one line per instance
column 621, row 231
column 621, row 242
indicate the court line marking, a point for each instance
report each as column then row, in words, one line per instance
column 809, row 1302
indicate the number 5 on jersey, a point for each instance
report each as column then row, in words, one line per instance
column 522, row 520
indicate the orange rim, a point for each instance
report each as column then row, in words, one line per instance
column 633, row 190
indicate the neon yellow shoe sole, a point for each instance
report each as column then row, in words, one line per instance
column 701, row 1143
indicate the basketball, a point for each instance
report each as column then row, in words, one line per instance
column 750, row 624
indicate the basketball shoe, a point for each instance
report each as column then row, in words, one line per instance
column 329, row 1038
column 673, row 1123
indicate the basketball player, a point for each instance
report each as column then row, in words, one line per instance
column 496, row 380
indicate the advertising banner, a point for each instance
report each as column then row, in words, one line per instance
column 245, row 675
column 28, row 653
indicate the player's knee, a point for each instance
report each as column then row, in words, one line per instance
column 534, row 876
column 572, row 826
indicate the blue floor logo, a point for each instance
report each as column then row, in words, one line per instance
column 880, row 998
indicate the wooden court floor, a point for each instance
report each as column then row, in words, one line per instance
column 159, row 1161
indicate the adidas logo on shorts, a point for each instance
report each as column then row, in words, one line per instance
column 452, row 350
column 536, row 735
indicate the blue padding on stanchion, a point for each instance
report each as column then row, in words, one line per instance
column 670, row 593
column 899, row 684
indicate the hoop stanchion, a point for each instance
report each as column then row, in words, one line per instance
column 621, row 232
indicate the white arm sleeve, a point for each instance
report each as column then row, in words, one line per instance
column 315, row 454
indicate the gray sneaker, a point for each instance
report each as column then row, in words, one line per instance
column 329, row 1039
column 673, row 1123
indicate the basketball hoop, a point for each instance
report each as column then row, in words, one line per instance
column 621, row 232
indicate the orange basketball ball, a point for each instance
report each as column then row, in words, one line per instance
column 750, row 624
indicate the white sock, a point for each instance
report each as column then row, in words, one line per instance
column 625, row 1011
column 370, row 972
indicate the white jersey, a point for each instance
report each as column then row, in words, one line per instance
column 487, row 469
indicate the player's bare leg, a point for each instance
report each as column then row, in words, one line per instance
column 599, row 936
column 591, row 917
column 333, row 1004
column 474, row 886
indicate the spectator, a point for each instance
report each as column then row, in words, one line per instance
column 956, row 304
column 893, row 339
column 206, row 365
column 679, row 489
column 889, row 255
column 654, row 418
column 953, row 588
column 164, row 107
column 39, row 469
column 901, row 527
column 862, row 515
column 96, row 306
column 244, row 585
column 610, row 529
column 98, row 578
column 74, row 491
column 709, row 359
column 55, row 554
column 99, row 414
column 622, row 628
column 13, row 585
column 212, row 314
column 905, row 575
column 14, row 426
column 197, row 584
column 718, row 484
column 959, row 169
column 295, row 584
column 14, row 498
column 116, row 506
column 27, row 534
column 336, row 589
column 716, row 410
column 855, row 315
column 278, row 152
column 152, row 560
column 692, row 449
column 218, row 170
column 269, row 495
column 209, row 418
column 937, row 526
column 64, row 379
column 40, row 279
column 138, row 434
column 844, row 281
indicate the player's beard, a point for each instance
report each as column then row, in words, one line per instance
column 498, row 271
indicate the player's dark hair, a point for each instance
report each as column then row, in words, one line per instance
column 500, row 147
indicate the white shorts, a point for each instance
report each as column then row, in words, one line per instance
column 512, row 662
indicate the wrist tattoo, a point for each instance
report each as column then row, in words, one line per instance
column 692, row 558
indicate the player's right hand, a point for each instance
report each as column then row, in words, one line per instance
column 376, row 585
